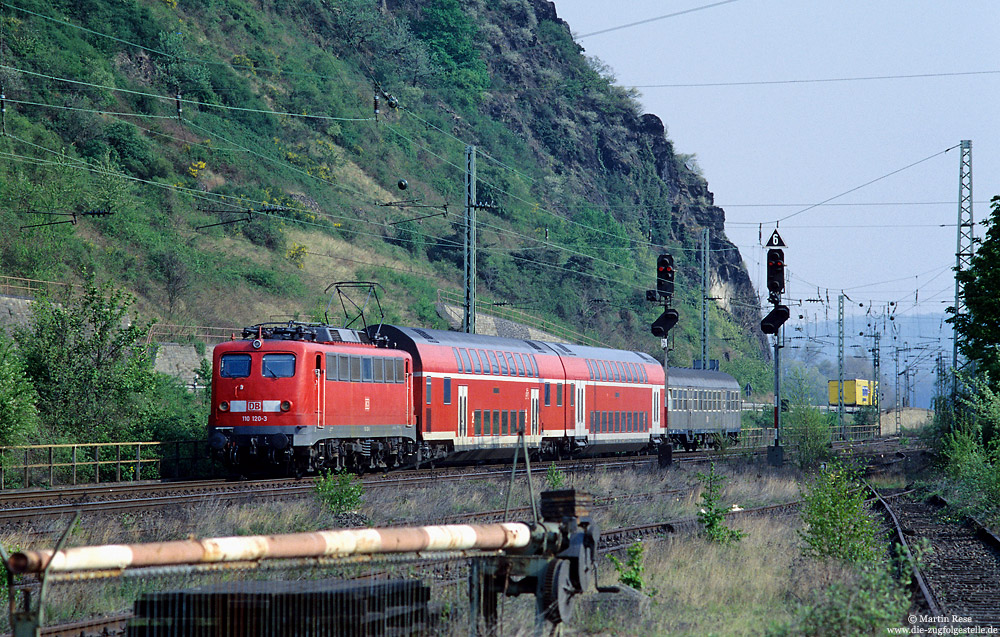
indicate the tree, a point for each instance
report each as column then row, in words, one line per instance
column 89, row 364
column 979, row 326
column 18, row 416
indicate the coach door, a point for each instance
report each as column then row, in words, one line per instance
column 581, row 411
column 320, row 392
column 534, row 412
column 463, row 411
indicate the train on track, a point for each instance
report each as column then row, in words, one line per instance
column 302, row 397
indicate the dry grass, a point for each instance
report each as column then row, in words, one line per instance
column 700, row 588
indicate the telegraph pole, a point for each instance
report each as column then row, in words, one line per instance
column 469, row 314
column 704, row 299
column 840, row 367
column 964, row 249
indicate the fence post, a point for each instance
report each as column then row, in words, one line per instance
column 118, row 463
column 97, row 463
column 24, row 485
column 74, row 464
column 52, row 479
column 138, row 462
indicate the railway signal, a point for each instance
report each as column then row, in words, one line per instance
column 771, row 323
column 662, row 325
column 775, row 272
column 665, row 275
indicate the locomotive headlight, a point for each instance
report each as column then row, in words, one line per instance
column 285, row 405
column 256, row 343
column 224, row 406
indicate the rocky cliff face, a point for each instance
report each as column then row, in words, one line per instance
column 583, row 126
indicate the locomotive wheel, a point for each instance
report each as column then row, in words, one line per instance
column 558, row 593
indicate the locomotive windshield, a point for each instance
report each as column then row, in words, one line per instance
column 278, row 365
column 235, row 366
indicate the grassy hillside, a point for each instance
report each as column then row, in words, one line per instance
column 271, row 180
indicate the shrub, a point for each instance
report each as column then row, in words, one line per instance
column 630, row 571
column 555, row 477
column 837, row 521
column 712, row 513
column 340, row 492
column 19, row 416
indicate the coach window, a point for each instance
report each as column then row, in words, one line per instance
column 527, row 365
column 520, row 364
column 534, row 365
column 487, row 421
column 427, row 391
column 548, row 394
column 400, row 370
column 493, row 362
column 446, row 391
column 628, row 372
column 616, row 368
column 505, row 419
column 378, row 373
column 458, row 360
column 503, row 363
column 604, row 422
column 496, row 422
column 235, row 366
column 608, row 374
column 475, row 362
column 522, row 417
column 477, row 422
column 468, row 362
column 559, row 389
column 278, row 365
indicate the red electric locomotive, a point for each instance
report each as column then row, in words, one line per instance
column 311, row 397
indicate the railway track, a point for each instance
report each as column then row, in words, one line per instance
column 19, row 506
column 961, row 576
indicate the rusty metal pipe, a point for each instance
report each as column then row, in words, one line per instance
column 454, row 537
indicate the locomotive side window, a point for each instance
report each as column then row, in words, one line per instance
column 390, row 370
column 400, row 370
column 278, row 365
column 366, row 369
column 356, row 369
column 458, row 359
column 378, row 373
column 235, row 366
column 493, row 362
column 331, row 367
column 446, row 391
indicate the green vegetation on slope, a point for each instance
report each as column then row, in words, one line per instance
column 277, row 108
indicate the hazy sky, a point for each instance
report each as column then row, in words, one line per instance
column 771, row 150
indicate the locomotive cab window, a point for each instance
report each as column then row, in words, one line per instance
column 235, row 366
column 278, row 365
